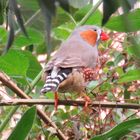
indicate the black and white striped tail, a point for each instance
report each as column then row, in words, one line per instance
column 52, row 84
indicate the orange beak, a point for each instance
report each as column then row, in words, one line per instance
column 104, row 36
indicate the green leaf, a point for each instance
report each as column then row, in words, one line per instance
column 92, row 84
column 14, row 63
column 119, row 70
column 117, row 23
column 105, row 87
column 13, row 5
column 93, row 19
column 131, row 75
column 24, row 125
column 11, row 34
column 28, row 4
column 136, row 130
column 20, row 65
column 35, row 38
column 118, row 58
column 62, row 32
column 109, row 7
column 127, row 93
column 2, row 8
column 49, row 95
column 34, row 66
column 64, row 4
column 60, row 18
column 3, row 35
column 118, row 131
column 134, row 48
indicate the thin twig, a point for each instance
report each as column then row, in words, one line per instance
column 11, row 85
column 29, row 21
column 106, row 104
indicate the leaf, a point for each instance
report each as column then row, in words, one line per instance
column 125, row 5
column 2, row 9
column 1, row 14
column 61, row 18
column 92, row 84
column 34, row 66
column 118, row 58
column 118, row 131
column 24, row 125
column 134, row 48
column 28, row 5
column 3, row 35
column 93, row 19
column 109, row 7
column 60, row 33
column 14, row 63
column 105, row 87
column 117, row 23
column 35, row 38
column 48, row 9
column 64, row 4
column 11, row 32
column 127, row 94
column 131, row 75
column 14, row 7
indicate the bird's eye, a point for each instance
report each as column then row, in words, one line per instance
column 95, row 30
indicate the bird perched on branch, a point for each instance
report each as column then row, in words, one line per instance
column 71, row 67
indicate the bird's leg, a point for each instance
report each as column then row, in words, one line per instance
column 87, row 101
column 55, row 100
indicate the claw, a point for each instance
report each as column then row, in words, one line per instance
column 55, row 100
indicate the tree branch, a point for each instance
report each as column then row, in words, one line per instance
column 11, row 85
column 13, row 102
column 13, row 109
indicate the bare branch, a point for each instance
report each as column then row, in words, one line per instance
column 13, row 102
column 11, row 85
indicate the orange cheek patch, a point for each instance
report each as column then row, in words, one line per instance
column 89, row 36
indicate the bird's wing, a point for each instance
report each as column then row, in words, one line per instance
column 73, row 53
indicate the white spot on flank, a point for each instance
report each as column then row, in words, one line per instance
column 48, row 80
column 54, row 72
column 56, row 80
column 51, row 84
column 64, row 75
column 61, row 78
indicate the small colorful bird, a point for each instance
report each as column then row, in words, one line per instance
column 70, row 68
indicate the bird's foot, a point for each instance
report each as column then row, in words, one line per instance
column 87, row 102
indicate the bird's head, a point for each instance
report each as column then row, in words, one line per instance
column 92, row 34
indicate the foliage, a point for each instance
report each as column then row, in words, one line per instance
column 24, row 125
column 117, row 77
column 120, row 130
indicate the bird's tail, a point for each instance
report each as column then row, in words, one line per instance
column 52, row 84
